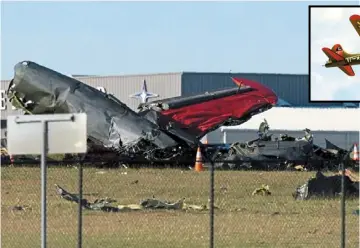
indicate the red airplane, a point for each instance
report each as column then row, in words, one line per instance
column 339, row 58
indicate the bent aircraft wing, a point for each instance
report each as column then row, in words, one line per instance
column 355, row 21
column 204, row 113
column 338, row 61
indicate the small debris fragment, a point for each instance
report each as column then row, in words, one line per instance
column 263, row 190
column 20, row 208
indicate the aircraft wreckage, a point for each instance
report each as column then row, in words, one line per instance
column 285, row 152
column 164, row 130
column 161, row 130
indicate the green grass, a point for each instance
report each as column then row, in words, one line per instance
column 242, row 220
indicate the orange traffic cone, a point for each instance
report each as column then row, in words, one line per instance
column 198, row 162
column 356, row 153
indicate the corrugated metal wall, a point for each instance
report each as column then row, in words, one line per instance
column 341, row 139
column 166, row 85
column 292, row 88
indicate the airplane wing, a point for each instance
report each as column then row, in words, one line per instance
column 355, row 21
column 203, row 113
column 347, row 69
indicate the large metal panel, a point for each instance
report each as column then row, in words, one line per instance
column 65, row 133
column 165, row 85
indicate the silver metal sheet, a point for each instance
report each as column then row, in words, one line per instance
column 67, row 133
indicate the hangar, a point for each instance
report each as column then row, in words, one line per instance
column 293, row 90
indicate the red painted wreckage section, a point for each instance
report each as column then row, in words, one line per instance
column 206, row 115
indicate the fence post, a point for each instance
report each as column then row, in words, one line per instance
column 342, row 205
column 212, row 182
column 212, row 195
column 44, row 153
column 80, row 183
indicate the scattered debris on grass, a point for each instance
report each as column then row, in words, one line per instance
column 20, row 208
column 98, row 204
column 104, row 204
column 100, row 172
column 263, row 190
column 134, row 182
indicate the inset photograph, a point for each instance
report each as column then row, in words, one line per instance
column 334, row 33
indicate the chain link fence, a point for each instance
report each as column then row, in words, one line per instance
column 172, row 207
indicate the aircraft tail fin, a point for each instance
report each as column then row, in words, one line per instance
column 355, row 21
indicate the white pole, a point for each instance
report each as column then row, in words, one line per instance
column 43, row 184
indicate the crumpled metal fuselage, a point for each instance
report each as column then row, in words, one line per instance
column 110, row 122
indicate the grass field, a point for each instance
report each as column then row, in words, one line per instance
column 242, row 220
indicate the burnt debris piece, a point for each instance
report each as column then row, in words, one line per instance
column 321, row 186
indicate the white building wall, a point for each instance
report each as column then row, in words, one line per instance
column 316, row 119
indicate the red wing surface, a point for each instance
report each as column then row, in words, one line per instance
column 332, row 55
column 347, row 69
column 355, row 21
column 207, row 115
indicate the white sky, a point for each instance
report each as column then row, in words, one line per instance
column 331, row 26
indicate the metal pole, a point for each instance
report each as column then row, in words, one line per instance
column 212, row 204
column 343, row 205
column 43, row 184
column 212, row 196
column 80, row 206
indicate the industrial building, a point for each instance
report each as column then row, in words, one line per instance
column 293, row 90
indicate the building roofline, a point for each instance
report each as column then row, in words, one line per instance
column 251, row 73
column 131, row 75
column 115, row 75
column 174, row 73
